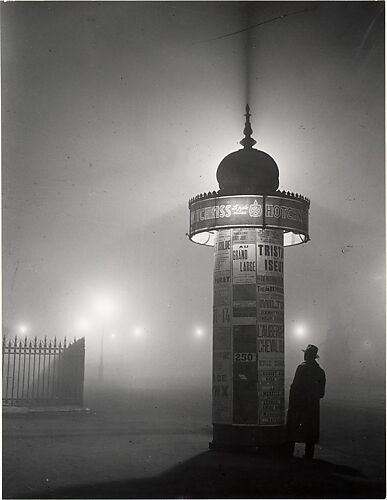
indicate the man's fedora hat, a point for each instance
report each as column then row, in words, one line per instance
column 312, row 349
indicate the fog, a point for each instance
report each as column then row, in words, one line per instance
column 114, row 114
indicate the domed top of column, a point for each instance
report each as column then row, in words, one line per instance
column 248, row 170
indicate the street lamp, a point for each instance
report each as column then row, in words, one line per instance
column 199, row 332
column 103, row 307
column 23, row 329
column 299, row 331
column 83, row 325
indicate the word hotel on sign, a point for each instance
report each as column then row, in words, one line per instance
column 281, row 212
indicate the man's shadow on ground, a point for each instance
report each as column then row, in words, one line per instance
column 218, row 474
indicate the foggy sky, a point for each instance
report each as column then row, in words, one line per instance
column 114, row 114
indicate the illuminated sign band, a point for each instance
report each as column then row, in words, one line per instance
column 287, row 213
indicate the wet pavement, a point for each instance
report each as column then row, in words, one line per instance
column 146, row 447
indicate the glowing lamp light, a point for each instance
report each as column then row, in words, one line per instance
column 138, row 332
column 104, row 306
column 23, row 329
column 199, row 332
column 300, row 331
column 83, row 325
column 113, row 335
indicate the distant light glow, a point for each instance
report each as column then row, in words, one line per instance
column 199, row 332
column 83, row 325
column 113, row 335
column 299, row 331
column 23, row 329
column 138, row 331
column 104, row 306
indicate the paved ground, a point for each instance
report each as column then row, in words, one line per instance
column 150, row 445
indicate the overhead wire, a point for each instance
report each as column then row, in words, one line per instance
column 252, row 26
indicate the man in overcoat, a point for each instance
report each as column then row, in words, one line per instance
column 308, row 387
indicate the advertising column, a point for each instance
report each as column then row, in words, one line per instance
column 270, row 327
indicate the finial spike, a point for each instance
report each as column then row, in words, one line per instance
column 248, row 141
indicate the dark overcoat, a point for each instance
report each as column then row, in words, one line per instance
column 308, row 387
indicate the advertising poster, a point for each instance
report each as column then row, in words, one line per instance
column 222, row 252
column 222, row 290
column 270, row 327
column 244, row 236
column 222, row 342
column 243, row 263
column 222, row 316
column 244, row 309
column 222, row 387
column 222, row 339
column 270, row 253
column 245, row 376
column 222, row 262
column 222, row 296
column 244, row 273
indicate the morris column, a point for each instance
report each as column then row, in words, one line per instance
column 248, row 222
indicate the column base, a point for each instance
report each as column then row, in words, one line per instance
column 247, row 437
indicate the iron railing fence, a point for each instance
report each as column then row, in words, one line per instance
column 43, row 372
